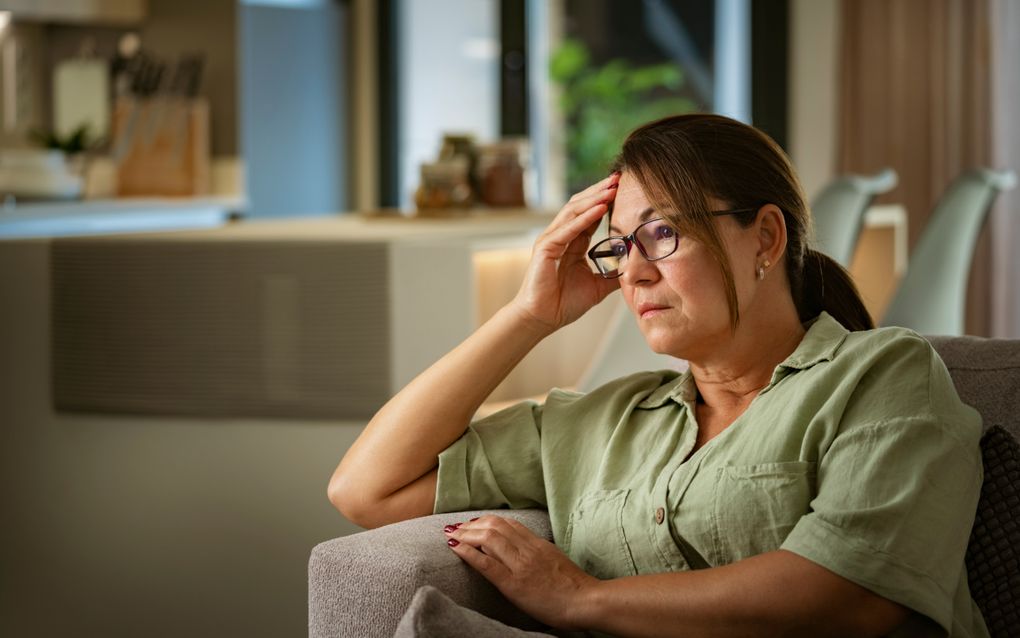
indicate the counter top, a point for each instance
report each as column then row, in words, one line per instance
column 359, row 227
column 105, row 216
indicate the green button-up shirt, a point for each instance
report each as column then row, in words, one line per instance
column 858, row 455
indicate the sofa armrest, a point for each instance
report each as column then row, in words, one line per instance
column 360, row 585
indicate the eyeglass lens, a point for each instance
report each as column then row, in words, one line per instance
column 655, row 239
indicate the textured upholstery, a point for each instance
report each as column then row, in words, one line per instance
column 986, row 373
column 993, row 556
column 433, row 615
column 361, row 585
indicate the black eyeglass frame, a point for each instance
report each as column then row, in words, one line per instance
column 632, row 240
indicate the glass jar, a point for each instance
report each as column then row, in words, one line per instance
column 444, row 185
column 501, row 173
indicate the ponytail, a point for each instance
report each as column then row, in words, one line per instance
column 825, row 285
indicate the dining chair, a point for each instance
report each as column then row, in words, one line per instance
column 839, row 209
column 932, row 296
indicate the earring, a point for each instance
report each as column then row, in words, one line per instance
column 761, row 270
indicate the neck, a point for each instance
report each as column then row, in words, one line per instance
column 736, row 372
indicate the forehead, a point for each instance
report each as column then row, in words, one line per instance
column 629, row 204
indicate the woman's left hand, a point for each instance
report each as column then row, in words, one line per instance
column 530, row 571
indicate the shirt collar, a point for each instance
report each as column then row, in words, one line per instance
column 823, row 338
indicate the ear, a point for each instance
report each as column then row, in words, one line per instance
column 771, row 235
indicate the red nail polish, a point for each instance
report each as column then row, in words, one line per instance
column 473, row 519
column 453, row 542
column 451, row 528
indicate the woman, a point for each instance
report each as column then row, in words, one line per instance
column 806, row 476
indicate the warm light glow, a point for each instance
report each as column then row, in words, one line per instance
column 5, row 19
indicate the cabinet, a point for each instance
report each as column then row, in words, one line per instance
column 315, row 318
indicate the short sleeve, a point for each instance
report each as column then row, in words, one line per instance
column 896, row 500
column 497, row 463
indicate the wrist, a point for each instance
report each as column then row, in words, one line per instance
column 588, row 605
column 526, row 322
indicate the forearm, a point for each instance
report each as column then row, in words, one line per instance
column 429, row 414
column 775, row 594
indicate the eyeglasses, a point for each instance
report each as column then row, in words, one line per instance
column 655, row 239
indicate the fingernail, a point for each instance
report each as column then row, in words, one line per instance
column 453, row 542
column 473, row 519
column 451, row 528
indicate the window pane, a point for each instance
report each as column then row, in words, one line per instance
column 448, row 79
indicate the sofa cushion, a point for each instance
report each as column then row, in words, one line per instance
column 433, row 615
column 993, row 555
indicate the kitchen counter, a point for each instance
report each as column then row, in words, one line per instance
column 318, row 317
column 360, row 227
column 106, row 216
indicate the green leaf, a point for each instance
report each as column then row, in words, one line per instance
column 569, row 59
column 602, row 104
column 653, row 77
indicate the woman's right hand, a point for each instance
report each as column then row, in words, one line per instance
column 559, row 285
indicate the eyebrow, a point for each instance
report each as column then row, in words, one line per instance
column 642, row 217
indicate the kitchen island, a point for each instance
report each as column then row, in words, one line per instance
column 321, row 317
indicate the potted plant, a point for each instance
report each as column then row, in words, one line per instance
column 602, row 104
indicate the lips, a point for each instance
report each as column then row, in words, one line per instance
column 649, row 309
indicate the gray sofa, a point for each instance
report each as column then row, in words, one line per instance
column 361, row 585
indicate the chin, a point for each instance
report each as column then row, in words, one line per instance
column 661, row 341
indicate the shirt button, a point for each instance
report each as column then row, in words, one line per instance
column 660, row 515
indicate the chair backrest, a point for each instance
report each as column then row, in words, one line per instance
column 931, row 297
column 838, row 212
column 622, row 351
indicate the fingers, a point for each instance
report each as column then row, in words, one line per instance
column 495, row 535
column 580, row 217
column 610, row 180
column 579, row 245
column 604, row 190
column 579, row 206
column 493, row 570
column 555, row 240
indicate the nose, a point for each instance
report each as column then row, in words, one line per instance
column 637, row 270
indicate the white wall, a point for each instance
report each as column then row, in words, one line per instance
column 142, row 526
column 814, row 84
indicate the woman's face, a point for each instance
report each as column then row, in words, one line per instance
column 680, row 301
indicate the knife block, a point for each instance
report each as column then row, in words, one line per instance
column 161, row 146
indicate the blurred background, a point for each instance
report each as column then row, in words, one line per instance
column 229, row 230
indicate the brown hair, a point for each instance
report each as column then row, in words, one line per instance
column 684, row 160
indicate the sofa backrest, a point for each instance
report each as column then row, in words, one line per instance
column 986, row 373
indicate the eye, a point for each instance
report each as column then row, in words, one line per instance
column 663, row 231
column 619, row 249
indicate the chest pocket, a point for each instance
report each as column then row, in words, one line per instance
column 756, row 507
column 595, row 539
